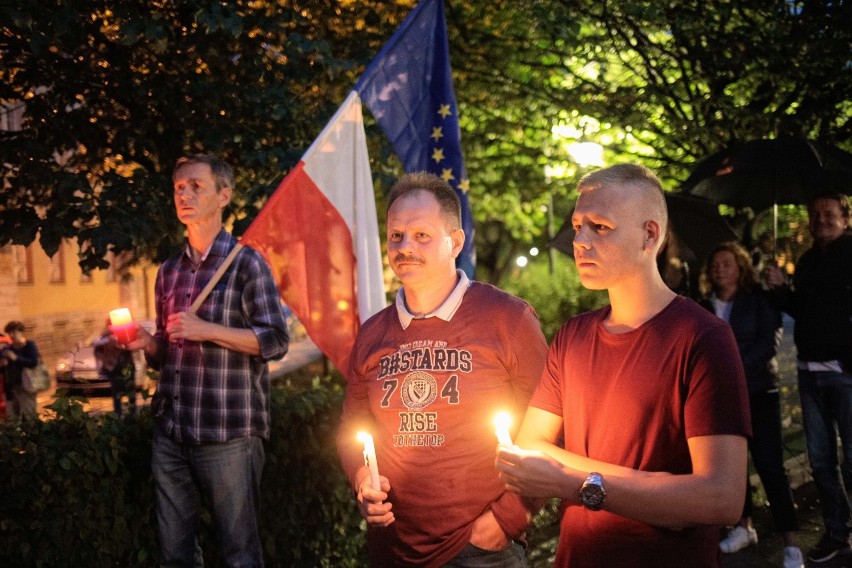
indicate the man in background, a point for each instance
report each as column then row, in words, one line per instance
column 820, row 300
column 211, row 408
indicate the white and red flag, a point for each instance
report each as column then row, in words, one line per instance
column 319, row 233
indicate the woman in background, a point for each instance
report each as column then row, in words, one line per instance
column 19, row 354
column 731, row 290
column 116, row 364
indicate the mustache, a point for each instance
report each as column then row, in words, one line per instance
column 406, row 258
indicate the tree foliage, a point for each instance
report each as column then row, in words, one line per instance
column 118, row 90
column 663, row 83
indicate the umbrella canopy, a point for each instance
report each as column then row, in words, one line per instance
column 763, row 173
column 695, row 222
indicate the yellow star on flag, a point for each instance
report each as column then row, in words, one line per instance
column 464, row 185
column 438, row 155
column 437, row 133
column 444, row 111
column 447, row 175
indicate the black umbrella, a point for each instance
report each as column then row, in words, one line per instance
column 694, row 221
column 763, row 173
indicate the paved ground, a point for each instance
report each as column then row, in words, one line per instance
column 769, row 551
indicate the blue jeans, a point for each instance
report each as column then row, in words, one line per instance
column 827, row 410
column 472, row 556
column 228, row 477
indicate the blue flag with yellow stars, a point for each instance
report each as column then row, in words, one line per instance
column 408, row 88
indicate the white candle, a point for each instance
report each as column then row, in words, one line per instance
column 370, row 459
column 502, row 421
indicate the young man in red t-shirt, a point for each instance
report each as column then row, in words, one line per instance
column 648, row 393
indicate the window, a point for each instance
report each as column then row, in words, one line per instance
column 11, row 116
column 22, row 264
column 57, row 266
column 111, row 272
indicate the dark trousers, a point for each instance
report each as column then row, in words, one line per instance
column 827, row 411
column 766, row 447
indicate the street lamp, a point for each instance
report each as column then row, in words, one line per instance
column 586, row 154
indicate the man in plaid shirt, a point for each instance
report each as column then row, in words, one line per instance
column 212, row 403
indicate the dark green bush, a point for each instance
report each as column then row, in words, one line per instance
column 555, row 295
column 309, row 516
column 77, row 489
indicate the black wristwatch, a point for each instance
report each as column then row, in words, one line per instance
column 592, row 493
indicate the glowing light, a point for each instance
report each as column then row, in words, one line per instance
column 122, row 325
column 502, row 421
column 587, row 153
column 370, row 459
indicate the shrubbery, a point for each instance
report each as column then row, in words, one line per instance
column 77, row 489
column 555, row 296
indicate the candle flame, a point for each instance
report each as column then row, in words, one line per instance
column 367, row 440
column 120, row 316
column 502, row 420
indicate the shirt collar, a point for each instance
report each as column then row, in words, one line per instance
column 219, row 247
column 445, row 311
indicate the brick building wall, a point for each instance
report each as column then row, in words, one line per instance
column 58, row 304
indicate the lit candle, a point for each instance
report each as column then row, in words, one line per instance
column 122, row 325
column 370, row 459
column 501, row 422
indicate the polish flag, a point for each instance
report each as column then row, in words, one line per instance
column 320, row 236
column 319, row 231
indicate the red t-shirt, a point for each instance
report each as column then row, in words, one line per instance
column 428, row 395
column 633, row 399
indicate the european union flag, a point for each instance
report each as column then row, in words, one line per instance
column 409, row 89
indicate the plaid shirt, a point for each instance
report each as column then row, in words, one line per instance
column 208, row 393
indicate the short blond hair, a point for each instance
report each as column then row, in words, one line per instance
column 634, row 175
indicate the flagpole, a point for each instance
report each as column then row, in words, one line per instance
column 215, row 279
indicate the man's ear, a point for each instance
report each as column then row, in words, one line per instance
column 653, row 235
column 457, row 237
column 225, row 195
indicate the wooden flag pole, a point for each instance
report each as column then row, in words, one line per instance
column 215, row 279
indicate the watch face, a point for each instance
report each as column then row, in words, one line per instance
column 592, row 493
column 593, row 497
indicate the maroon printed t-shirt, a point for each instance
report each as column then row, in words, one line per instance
column 428, row 394
column 634, row 399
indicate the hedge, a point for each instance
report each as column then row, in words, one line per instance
column 77, row 489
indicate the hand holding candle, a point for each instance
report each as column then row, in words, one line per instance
column 370, row 459
column 122, row 325
column 502, row 421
